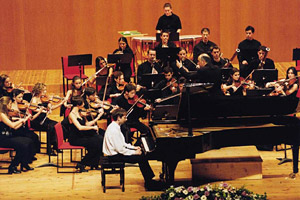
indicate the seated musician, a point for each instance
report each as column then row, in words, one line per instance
column 114, row 89
column 169, row 21
column 286, row 87
column 20, row 110
column 248, row 51
column 106, row 71
column 188, row 64
column 206, row 73
column 85, row 133
column 204, row 46
column 165, row 43
column 116, row 149
column 76, row 90
column 168, row 86
column 151, row 66
column 22, row 145
column 42, row 121
column 127, row 101
column 234, row 85
column 5, row 85
column 124, row 49
column 218, row 60
column 262, row 62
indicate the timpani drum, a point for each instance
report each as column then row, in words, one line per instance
column 188, row 42
column 140, row 46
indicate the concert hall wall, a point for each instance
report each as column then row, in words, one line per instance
column 34, row 34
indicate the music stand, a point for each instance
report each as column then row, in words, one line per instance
column 80, row 60
column 296, row 55
column 119, row 58
column 262, row 76
column 165, row 112
column 169, row 54
column 172, row 37
column 150, row 80
column 225, row 74
column 152, row 94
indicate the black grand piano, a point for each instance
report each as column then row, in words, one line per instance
column 206, row 122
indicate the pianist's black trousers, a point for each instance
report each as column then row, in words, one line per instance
column 140, row 159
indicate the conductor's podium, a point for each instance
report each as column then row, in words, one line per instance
column 227, row 164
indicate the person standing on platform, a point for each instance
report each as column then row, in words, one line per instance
column 151, row 66
column 168, row 22
column 204, row 46
column 126, row 67
column 116, row 149
column 248, row 51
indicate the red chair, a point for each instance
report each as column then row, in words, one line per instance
column 10, row 150
column 62, row 145
column 70, row 72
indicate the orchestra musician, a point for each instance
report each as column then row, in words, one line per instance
column 116, row 149
column 124, row 49
column 204, row 46
column 84, row 133
column 168, row 86
column 262, row 62
column 234, row 85
column 187, row 63
column 127, row 101
column 20, row 107
column 5, row 85
column 22, row 145
column 206, row 73
column 100, row 64
column 151, row 66
column 286, row 87
column 248, row 51
column 169, row 21
column 114, row 89
column 42, row 121
column 217, row 60
column 165, row 43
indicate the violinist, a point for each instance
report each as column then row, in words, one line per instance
column 217, row 60
column 21, row 107
column 42, row 121
column 287, row 87
column 262, row 62
column 6, row 85
column 168, row 86
column 116, row 88
column 22, row 145
column 124, row 49
column 84, row 133
column 76, row 90
column 151, row 66
column 234, row 85
column 126, row 101
column 101, row 64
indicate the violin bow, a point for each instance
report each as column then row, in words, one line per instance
column 169, row 85
column 95, row 74
column 131, row 108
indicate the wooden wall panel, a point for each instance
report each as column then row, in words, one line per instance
column 35, row 34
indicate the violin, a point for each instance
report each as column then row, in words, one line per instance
column 172, row 84
column 15, row 113
column 88, row 112
column 121, row 86
column 54, row 99
column 23, row 105
column 105, row 105
column 138, row 101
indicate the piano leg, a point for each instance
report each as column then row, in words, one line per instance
column 168, row 171
column 295, row 161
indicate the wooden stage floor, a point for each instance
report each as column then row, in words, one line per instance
column 45, row 183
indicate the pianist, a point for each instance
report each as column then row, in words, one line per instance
column 116, row 149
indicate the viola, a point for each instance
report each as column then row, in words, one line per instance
column 88, row 112
column 105, row 105
column 139, row 101
column 54, row 99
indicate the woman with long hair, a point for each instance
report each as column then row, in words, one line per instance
column 22, row 145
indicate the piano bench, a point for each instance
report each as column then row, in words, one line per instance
column 227, row 164
column 111, row 167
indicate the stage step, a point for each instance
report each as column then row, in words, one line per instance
column 227, row 164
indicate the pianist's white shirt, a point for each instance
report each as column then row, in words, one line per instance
column 114, row 141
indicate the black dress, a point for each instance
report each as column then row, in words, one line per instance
column 125, row 68
column 22, row 145
column 90, row 140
